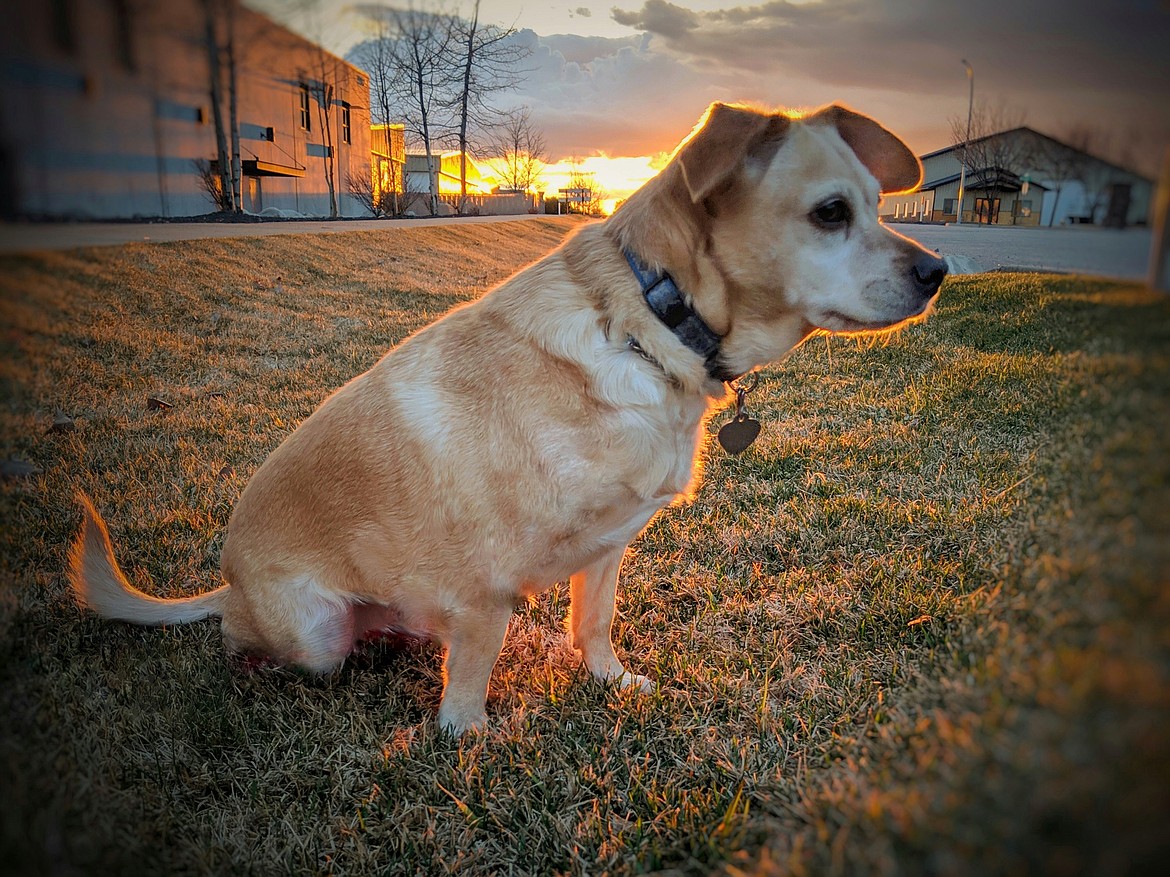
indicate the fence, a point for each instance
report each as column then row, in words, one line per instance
column 508, row 204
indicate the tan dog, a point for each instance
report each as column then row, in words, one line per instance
column 529, row 436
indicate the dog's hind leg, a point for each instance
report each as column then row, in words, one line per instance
column 298, row 623
column 473, row 640
column 592, row 596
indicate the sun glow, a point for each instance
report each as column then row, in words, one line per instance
column 617, row 178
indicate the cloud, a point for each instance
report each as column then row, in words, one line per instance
column 1064, row 61
column 583, row 11
column 662, row 18
column 591, row 94
column 1049, row 45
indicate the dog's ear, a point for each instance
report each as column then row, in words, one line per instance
column 890, row 160
column 724, row 137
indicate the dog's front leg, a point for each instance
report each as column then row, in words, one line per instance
column 474, row 641
column 592, row 593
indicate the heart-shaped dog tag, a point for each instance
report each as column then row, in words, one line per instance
column 736, row 435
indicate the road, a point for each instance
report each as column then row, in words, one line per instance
column 969, row 248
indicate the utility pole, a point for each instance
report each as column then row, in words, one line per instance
column 963, row 165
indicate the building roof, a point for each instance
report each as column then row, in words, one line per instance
column 1042, row 136
column 1003, row 180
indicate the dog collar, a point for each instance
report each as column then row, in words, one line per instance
column 665, row 299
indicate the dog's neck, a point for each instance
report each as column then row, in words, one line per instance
column 669, row 305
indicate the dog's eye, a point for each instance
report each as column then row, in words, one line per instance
column 832, row 214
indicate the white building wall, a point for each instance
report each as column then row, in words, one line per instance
column 1070, row 202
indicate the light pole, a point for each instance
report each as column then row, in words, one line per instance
column 963, row 165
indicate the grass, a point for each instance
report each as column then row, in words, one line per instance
column 922, row 627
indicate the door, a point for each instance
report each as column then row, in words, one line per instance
column 253, row 198
column 1119, row 198
column 986, row 212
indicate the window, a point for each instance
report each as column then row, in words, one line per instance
column 346, row 132
column 949, row 205
column 306, row 124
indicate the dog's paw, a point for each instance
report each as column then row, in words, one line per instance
column 458, row 724
column 624, row 679
column 633, row 680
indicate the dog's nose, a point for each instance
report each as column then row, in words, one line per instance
column 928, row 273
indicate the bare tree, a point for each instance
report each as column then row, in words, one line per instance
column 1139, row 148
column 212, row 184
column 585, row 195
column 438, row 72
column 1060, row 165
column 233, row 105
column 322, row 90
column 410, row 57
column 375, row 199
column 487, row 60
column 1088, row 141
column 519, row 151
column 993, row 162
column 322, row 86
column 225, row 47
column 212, row 10
column 376, row 57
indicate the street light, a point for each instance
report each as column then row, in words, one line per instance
column 963, row 165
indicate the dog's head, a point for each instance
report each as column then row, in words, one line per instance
column 781, row 212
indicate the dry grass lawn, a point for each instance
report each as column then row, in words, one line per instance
column 921, row 627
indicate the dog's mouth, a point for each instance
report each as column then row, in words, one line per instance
column 835, row 321
column 839, row 322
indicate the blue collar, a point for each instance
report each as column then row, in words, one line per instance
column 666, row 301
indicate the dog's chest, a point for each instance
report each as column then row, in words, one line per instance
column 663, row 442
column 648, row 463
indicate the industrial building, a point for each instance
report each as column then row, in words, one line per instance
column 106, row 112
column 1023, row 177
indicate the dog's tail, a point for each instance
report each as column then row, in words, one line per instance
column 99, row 583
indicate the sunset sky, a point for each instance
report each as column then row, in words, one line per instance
column 626, row 80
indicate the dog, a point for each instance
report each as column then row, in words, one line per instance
column 529, row 436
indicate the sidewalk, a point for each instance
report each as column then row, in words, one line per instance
column 25, row 237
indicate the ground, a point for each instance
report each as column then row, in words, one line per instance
column 920, row 627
